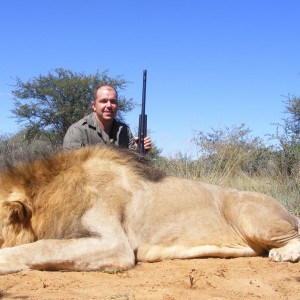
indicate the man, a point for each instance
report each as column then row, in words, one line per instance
column 101, row 127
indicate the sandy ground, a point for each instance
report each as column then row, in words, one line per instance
column 239, row 278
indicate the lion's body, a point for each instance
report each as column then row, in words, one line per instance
column 102, row 208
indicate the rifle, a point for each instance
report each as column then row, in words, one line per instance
column 143, row 118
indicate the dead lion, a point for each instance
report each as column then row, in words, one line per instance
column 100, row 208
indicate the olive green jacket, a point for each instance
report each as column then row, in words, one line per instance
column 88, row 132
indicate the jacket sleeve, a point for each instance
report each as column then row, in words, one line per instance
column 131, row 139
column 74, row 138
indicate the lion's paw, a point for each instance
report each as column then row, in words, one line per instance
column 289, row 252
column 11, row 263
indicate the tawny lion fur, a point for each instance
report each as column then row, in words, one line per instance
column 102, row 208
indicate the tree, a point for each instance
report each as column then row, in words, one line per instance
column 228, row 150
column 292, row 123
column 288, row 136
column 48, row 104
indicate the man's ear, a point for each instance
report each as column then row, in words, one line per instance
column 93, row 106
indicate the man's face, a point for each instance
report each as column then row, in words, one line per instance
column 106, row 104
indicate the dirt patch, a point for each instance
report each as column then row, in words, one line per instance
column 239, row 278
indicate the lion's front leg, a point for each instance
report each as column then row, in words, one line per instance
column 84, row 254
column 104, row 246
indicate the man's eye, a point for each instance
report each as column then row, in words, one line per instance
column 112, row 102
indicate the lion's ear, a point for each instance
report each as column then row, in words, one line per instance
column 20, row 211
column 23, row 212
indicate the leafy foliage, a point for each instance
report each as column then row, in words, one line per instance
column 15, row 148
column 288, row 136
column 230, row 150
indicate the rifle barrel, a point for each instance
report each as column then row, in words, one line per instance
column 144, row 92
column 143, row 117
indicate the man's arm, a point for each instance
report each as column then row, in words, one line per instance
column 74, row 138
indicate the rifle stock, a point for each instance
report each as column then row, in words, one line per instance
column 143, row 118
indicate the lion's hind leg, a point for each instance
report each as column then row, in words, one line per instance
column 290, row 251
column 279, row 236
column 266, row 226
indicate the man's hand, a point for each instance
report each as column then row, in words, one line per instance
column 147, row 143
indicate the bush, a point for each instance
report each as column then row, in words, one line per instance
column 14, row 148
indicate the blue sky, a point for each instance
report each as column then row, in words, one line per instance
column 210, row 64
